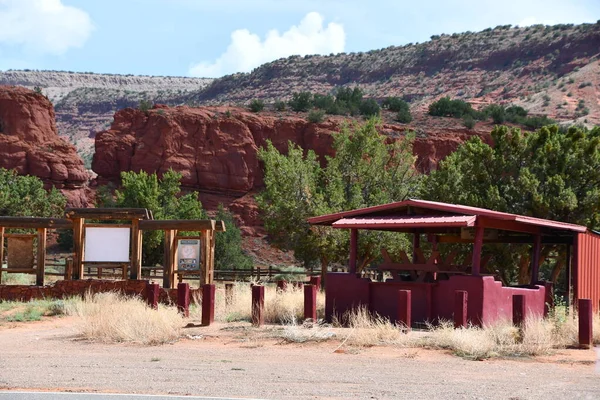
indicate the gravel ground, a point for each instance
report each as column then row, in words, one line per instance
column 47, row 355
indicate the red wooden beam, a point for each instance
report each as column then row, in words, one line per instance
column 353, row 250
column 512, row 226
column 416, row 245
column 535, row 259
column 477, row 245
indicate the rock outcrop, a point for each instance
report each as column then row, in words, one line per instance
column 29, row 143
column 216, row 148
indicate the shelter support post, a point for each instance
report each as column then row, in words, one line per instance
column 78, row 255
column 416, row 245
column 136, row 251
column 41, row 256
column 477, row 245
column 569, row 276
column 353, row 250
column 535, row 259
column 168, row 259
column 1, row 250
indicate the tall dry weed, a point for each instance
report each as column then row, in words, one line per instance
column 281, row 306
column 111, row 317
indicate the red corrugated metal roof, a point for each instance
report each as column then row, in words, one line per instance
column 406, row 221
column 445, row 207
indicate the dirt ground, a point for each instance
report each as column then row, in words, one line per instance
column 235, row 362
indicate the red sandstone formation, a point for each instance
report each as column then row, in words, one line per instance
column 216, row 148
column 30, row 144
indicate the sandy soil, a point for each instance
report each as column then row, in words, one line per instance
column 234, row 362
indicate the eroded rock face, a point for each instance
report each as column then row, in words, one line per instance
column 216, row 149
column 29, row 143
column 215, row 152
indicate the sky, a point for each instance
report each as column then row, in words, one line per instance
column 212, row 38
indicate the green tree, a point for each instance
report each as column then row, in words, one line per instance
column 301, row 102
column 445, row 107
column 256, row 105
column 25, row 196
column 316, row 116
column 367, row 170
column 544, row 174
column 228, row 244
column 369, row 108
column 161, row 196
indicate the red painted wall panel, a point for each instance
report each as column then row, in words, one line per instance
column 587, row 275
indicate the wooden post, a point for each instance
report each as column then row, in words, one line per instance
column 228, row 293
column 167, row 260
column 519, row 309
column 477, row 245
column 535, row 259
column 353, row 250
column 548, row 298
column 211, row 273
column 310, row 302
column 41, row 257
column 282, row 285
column 416, row 245
column 68, row 269
column 208, row 304
column 78, row 245
column 1, row 251
column 258, row 305
column 585, row 323
column 316, row 280
column 136, row 263
column 152, row 291
column 183, row 299
column 404, row 308
column 461, row 298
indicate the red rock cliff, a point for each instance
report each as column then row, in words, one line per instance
column 215, row 148
column 29, row 143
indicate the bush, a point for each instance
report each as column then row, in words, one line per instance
column 145, row 105
column 394, row 104
column 228, row 244
column 468, row 122
column 497, row 112
column 369, row 108
column 404, row 116
column 316, row 116
column 279, row 105
column 445, row 107
column 256, row 105
column 323, row 102
column 301, row 102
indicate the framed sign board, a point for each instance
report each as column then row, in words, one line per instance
column 188, row 255
column 107, row 244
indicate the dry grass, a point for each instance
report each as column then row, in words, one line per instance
column 280, row 306
column 110, row 317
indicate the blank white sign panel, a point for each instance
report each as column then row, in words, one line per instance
column 106, row 244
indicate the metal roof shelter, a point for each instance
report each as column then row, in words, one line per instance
column 451, row 223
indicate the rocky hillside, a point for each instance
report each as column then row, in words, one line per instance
column 86, row 102
column 29, row 143
column 551, row 70
column 546, row 69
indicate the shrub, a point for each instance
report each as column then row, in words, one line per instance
column 468, row 122
column 394, row 104
column 497, row 112
column 316, row 116
column 279, row 105
column 145, row 105
column 256, row 105
column 301, row 102
column 369, row 108
column 445, row 107
column 404, row 116
column 323, row 102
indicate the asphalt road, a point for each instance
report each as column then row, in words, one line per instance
column 96, row 396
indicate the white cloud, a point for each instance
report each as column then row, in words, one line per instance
column 247, row 51
column 43, row 26
column 533, row 21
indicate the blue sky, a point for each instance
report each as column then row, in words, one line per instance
column 216, row 37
